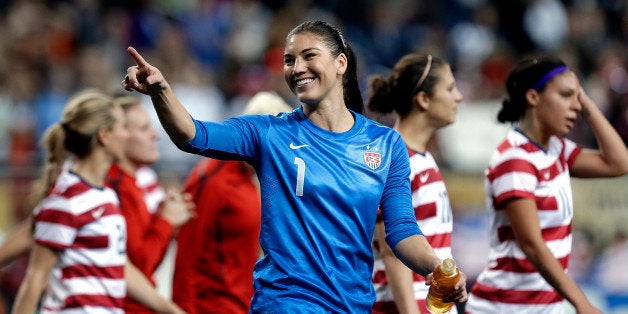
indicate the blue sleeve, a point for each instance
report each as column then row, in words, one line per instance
column 396, row 203
column 234, row 139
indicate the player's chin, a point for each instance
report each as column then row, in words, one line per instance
column 151, row 159
column 303, row 96
column 565, row 131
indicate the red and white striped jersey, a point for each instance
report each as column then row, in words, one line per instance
column 522, row 169
column 433, row 214
column 147, row 179
column 84, row 223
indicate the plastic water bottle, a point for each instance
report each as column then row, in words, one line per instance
column 444, row 279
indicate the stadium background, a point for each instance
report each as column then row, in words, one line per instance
column 217, row 54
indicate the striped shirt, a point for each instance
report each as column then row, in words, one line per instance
column 84, row 223
column 522, row 169
column 433, row 214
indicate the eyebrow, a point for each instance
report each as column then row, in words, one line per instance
column 568, row 89
column 309, row 49
column 303, row 51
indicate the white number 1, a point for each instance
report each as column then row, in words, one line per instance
column 300, row 175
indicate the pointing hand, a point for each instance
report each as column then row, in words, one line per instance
column 143, row 77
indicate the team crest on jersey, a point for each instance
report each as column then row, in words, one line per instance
column 372, row 158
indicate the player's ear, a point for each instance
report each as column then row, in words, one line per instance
column 422, row 100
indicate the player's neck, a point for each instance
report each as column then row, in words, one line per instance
column 128, row 166
column 92, row 170
column 415, row 135
column 334, row 118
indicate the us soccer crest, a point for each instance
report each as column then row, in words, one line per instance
column 372, row 158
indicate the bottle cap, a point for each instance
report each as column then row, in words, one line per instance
column 448, row 267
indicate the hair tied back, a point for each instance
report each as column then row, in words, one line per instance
column 426, row 71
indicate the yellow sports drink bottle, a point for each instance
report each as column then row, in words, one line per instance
column 444, row 279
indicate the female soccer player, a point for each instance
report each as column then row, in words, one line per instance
column 149, row 230
column 324, row 171
column 529, row 192
column 422, row 90
column 79, row 248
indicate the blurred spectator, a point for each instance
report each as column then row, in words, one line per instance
column 194, row 85
column 207, row 27
column 545, row 22
column 582, row 256
column 611, row 266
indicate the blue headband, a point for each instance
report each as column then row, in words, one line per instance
column 548, row 76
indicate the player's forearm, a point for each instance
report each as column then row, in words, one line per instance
column 551, row 270
column 28, row 296
column 141, row 290
column 416, row 253
column 173, row 116
column 612, row 147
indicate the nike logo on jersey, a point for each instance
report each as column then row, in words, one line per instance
column 292, row 146
column 424, row 176
column 98, row 212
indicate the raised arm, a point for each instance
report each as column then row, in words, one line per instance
column 611, row 159
column 148, row 80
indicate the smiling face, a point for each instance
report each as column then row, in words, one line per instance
column 556, row 108
column 311, row 71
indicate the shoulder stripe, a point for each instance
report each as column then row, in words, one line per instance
column 504, row 146
column 498, row 201
column 574, row 154
column 509, row 166
column 56, row 216
column 51, row 244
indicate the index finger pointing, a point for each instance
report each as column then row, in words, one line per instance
column 136, row 55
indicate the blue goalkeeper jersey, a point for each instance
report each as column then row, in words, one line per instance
column 320, row 194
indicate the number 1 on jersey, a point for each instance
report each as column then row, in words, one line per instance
column 300, row 175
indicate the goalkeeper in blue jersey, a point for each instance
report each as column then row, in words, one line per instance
column 324, row 170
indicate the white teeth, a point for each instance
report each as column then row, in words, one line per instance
column 304, row 81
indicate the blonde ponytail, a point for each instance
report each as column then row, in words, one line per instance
column 74, row 136
column 56, row 156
